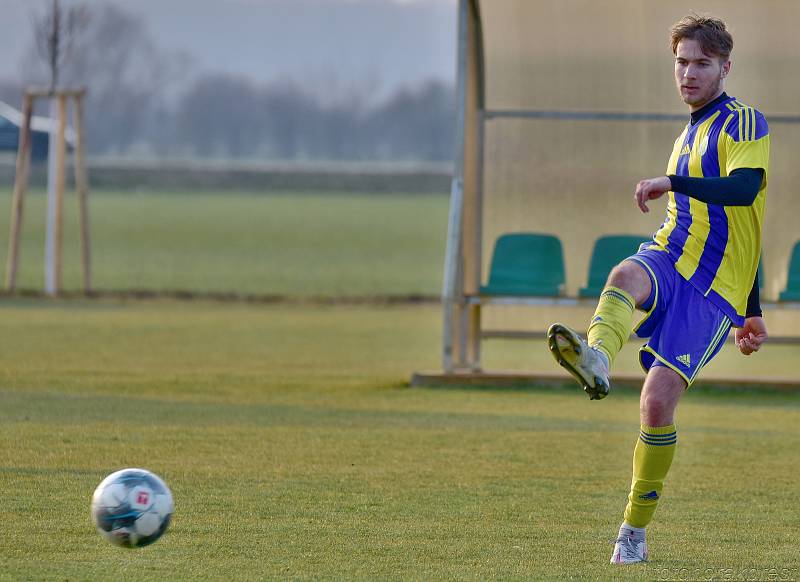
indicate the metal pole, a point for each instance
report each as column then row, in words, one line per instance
column 52, row 170
column 451, row 272
column 452, row 265
column 61, row 164
column 475, row 322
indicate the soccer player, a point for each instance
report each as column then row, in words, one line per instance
column 696, row 279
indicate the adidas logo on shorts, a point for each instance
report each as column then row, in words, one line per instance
column 685, row 360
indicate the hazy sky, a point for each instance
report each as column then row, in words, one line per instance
column 383, row 43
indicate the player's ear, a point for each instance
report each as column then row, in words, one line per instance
column 726, row 68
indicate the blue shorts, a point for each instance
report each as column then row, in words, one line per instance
column 685, row 329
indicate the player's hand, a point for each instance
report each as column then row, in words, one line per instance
column 750, row 337
column 651, row 189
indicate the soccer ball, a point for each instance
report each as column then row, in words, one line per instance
column 132, row 508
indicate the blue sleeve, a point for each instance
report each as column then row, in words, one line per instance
column 754, row 300
column 738, row 189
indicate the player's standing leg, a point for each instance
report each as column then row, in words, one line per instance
column 652, row 458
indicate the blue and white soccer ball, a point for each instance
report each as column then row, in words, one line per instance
column 132, row 507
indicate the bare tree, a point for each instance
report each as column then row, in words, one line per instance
column 110, row 51
column 220, row 115
column 55, row 32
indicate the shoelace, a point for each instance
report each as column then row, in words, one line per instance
column 629, row 546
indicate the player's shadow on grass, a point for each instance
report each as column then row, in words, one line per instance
column 752, row 395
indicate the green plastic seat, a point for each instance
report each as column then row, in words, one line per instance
column 608, row 252
column 526, row 264
column 792, row 291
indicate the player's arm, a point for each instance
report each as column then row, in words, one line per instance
column 738, row 189
column 754, row 332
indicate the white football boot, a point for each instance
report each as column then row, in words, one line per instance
column 588, row 365
column 629, row 548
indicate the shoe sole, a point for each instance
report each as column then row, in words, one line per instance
column 595, row 391
column 622, row 563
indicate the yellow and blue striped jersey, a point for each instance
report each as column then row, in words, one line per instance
column 717, row 248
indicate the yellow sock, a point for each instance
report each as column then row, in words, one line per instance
column 612, row 321
column 651, row 460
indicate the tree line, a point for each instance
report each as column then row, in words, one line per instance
column 222, row 115
column 144, row 101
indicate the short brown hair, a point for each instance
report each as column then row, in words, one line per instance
column 710, row 32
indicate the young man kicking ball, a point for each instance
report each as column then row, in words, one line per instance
column 698, row 276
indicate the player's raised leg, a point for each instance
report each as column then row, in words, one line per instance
column 589, row 362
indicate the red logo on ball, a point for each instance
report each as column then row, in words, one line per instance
column 142, row 498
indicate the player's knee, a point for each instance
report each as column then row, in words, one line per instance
column 631, row 277
column 657, row 409
column 623, row 274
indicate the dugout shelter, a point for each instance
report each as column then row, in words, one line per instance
column 563, row 106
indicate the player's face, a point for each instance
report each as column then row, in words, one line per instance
column 699, row 76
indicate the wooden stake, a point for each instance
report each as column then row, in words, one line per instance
column 81, row 185
column 82, row 192
column 20, row 185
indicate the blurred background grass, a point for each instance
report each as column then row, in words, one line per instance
column 331, row 244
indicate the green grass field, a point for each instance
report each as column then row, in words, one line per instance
column 294, row 449
column 289, row 436
column 295, row 244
